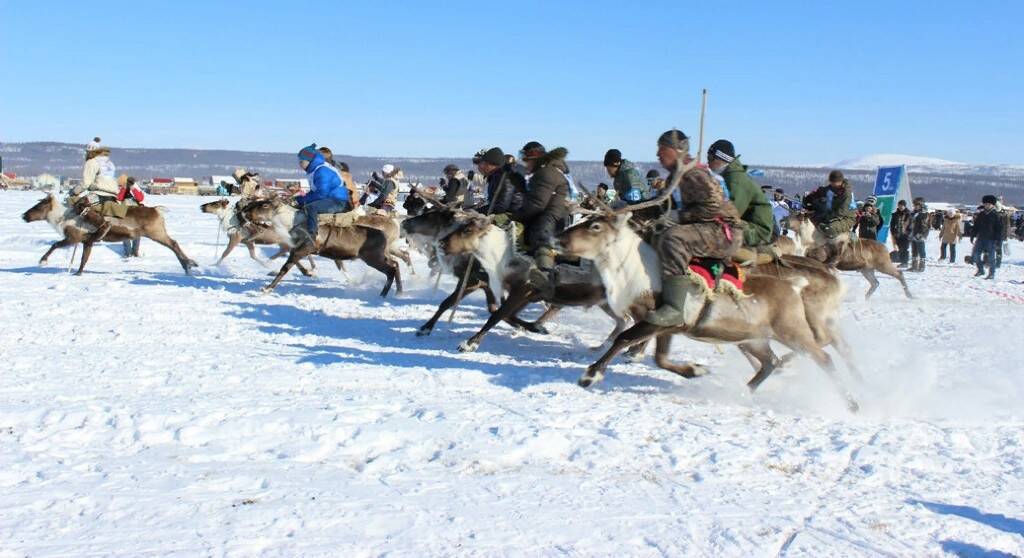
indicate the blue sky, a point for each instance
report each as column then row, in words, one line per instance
column 789, row 82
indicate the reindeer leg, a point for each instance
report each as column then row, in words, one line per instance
column 536, row 326
column 620, row 326
column 293, row 258
column 404, row 256
column 636, row 334
column 233, row 241
column 447, row 303
column 869, row 274
column 662, row 344
column 517, row 298
column 892, row 271
column 492, row 301
column 62, row 243
column 380, row 262
column 760, row 354
column 86, row 251
column 161, row 238
column 802, row 340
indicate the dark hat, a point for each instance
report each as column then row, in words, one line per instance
column 989, row 199
column 918, row 200
column 494, row 156
column 451, row 168
column 674, row 139
column 902, row 202
column 613, row 158
column 602, row 185
column 779, row 191
column 653, row 173
column 767, row 186
column 479, row 156
column 722, row 150
column 344, row 166
column 326, row 152
column 835, row 176
column 532, row 150
column 308, row 153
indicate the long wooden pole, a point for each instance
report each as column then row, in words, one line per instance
column 703, row 109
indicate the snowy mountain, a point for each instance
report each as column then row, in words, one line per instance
column 917, row 163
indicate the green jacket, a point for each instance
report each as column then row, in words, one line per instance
column 751, row 203
column 833, row 208
column 628, row 178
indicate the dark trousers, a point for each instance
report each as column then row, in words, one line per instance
column 131, row 247
column 315, row 208
column 902, row 246
column 917, row 249
column 541, row 230
column 952, row 251
column 678, row 244
column 987, row 247
column 999, row 253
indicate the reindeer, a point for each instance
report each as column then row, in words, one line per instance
column 861, row 254
column 772, row 305
column 140, row 221
column 336, row 243
column 437, row 222
column 509, row 271
column 249, row 236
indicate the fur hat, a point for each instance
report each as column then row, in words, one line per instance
column 836, row 176
column 722, row 150
column 388, row 169
column 653, row 173
column 870, row 200
column 613, row 158
column 451, row 168
column 989, row 199
column 479, row 156
column 238, row 174
column 674, row 139
column 308, row 153
column 494, row 156
column 918, row 201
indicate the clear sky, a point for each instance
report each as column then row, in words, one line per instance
column 789, row 82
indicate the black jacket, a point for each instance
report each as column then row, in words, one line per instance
column 385, row 189
column 548, row 189
column 511, row 192
column 455, row 190
column 899, row 223
column 988, row 225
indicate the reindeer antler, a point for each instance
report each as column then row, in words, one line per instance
column 677, row 177
column 430, row 198
column 607, row 208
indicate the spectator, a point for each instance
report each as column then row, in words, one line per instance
column 920, row 225
column 869, row 221
column 988, row 231
column 950, row 235
column 899, row 227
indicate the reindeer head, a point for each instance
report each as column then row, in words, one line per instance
column 40, row 210
column 430, row 223
column 466, row 236
column 591, row 237
column 215, row 207
column 260, row 211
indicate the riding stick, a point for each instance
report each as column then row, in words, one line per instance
column 71, row 262
column 703, row 108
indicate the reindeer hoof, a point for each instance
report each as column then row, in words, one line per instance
column 697, row 371
column 423, row 332
column 43, row 262
column 590, row 378
column 468, row 347
column 538, row 328
column 78, row 273
column 635, row 356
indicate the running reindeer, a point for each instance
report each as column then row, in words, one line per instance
column 140, row 221
column 339, row 243
column 795, row 303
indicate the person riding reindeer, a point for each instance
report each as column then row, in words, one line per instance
column 708, row 226
column 748, row 198
column 833, row 213
column 505, row 186
column 545, row 208
column 327, row 193
column 98, row 186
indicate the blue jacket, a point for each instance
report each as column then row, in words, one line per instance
column 324, row 183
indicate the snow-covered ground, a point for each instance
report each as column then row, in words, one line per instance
column 145, row 412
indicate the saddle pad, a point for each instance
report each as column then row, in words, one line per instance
column 339, row 219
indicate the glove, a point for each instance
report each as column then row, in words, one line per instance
column 501, row 219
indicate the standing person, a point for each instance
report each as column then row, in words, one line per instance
column 326, row 192
column 625, row 177
column 870, row 221
column 744, row 193
column 988, row 231
column 545, row 208
column 456, row 187
column 834, row 213
column 129, row 193
column 707, row 226
column 505, row 186
column 899, row 228
column 1006, row 220
column 920, row 225
column 950, row 234
column 386, row 189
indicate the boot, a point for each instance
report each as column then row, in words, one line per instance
column 672, row 312
column 915, row 265
column 921, row 264
column 979, row 273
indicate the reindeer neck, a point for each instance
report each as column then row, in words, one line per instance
column 494, row 252
column 629, row 269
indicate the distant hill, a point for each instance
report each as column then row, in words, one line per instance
column 935, row 179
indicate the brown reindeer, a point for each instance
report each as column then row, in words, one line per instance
column 141, row 221
column 860, row 254
column 336, row 243
column 248, row 236
column 771, row 307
